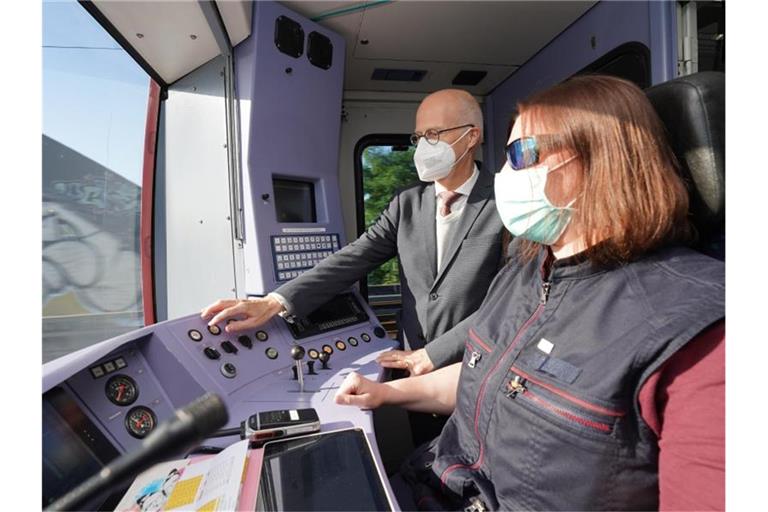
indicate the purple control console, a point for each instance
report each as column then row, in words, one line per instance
column 123, row 387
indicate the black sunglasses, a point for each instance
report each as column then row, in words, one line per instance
column 526, row 151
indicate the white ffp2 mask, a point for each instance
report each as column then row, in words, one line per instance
column 435, row 161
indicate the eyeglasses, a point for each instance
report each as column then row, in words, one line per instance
column 526, row 151
column 433, row 135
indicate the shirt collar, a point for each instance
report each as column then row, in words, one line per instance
column 465, row 188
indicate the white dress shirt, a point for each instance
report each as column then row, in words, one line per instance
column 445, row 226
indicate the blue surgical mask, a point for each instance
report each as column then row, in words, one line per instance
column 523, row 205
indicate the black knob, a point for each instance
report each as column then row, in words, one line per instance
column 245, row 341
column 297, row 353
column 211, row 353
column 311, row 366
column 295, row 373
column 379, row 332
column 324, row 357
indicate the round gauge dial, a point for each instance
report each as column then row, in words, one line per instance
column 122, row 390
column 140, row 421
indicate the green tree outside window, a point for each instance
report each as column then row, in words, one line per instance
column 386, row 169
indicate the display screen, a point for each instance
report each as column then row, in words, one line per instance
column 332, row 471
column 73, row 448
column 341, row 311
column 294, row 200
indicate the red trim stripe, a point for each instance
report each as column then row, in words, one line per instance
column 569, row 397
column 476, row 338
column 147, row 204
column 567, row 414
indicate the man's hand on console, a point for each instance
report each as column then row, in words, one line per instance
column 245, row 314
column 417, row 362
column 359, row 391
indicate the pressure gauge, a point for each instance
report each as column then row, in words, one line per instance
column 121, row 390
column 140, row 421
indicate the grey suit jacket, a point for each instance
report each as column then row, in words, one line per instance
column 433, row 300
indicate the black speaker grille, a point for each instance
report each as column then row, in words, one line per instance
column 319, row 50
column 289, row 37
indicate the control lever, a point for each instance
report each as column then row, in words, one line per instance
column 324, row 357
column 297, row 353
column 311, row 367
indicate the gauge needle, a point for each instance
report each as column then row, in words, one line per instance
column 120, row 392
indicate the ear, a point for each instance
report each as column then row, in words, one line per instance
column 474, row 137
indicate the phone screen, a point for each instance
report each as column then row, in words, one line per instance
column 330, row 471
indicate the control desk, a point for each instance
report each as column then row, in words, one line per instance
column 102, row 401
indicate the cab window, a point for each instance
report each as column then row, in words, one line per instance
column 384, row 165
column 95, row 105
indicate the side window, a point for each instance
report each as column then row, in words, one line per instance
column 384, row 165
column 94, row 114
column 710, row 21
column 701, row 37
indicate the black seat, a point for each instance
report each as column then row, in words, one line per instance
column 693, row 109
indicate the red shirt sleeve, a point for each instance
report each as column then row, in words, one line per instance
column 684, row 404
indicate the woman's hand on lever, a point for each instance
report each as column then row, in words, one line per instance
column 245, row 314
column 361, row 392
column 417, row 362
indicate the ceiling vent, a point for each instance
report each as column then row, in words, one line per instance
column 398, row 75
column 466, row 77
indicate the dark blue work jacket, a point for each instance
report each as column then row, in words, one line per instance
column 547, row 414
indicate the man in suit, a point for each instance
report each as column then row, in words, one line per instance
column 445, row 231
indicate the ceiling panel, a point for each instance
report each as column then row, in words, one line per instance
column 442, row 37
column 161, row 32
column 173, row 37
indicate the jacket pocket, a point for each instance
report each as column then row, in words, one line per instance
column 560, row 406
column 475, row 350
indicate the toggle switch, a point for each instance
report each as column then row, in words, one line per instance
column 324, row 357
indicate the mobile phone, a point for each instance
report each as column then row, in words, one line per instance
column 268, row 425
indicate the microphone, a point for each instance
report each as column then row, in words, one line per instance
column 185, row 429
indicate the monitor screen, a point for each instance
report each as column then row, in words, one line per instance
column 294, row 200
column 329, row 471
column 73, row 448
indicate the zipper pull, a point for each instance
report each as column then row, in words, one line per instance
column 515, row 386
column 474, row 358
column 545, row 287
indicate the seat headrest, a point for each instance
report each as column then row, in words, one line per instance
column 693, row 109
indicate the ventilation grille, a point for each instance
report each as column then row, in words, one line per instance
column 398, row 75
column 466, row 77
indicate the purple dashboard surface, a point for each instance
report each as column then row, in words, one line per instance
column 162, row 367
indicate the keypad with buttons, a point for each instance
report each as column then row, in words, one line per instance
column 294, row 255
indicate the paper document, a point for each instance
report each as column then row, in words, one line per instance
column 209, row 484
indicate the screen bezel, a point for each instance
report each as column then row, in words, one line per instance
column 278, row 180
column 302, row 327
column 88, row 433
column 383, row 488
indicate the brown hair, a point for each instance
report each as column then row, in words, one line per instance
column 632, row 198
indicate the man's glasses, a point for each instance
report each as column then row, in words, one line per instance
column 433, row 135
column 526, row 151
